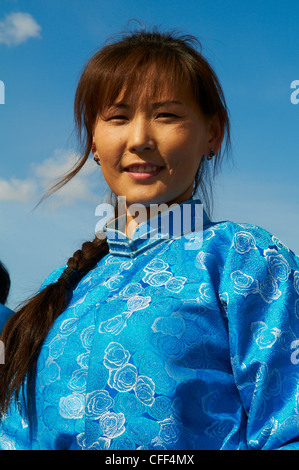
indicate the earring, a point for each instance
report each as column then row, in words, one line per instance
column 211, row 155
column 97, row 160
column 95, row 157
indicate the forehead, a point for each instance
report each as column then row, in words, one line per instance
column 149, row 92
column 150, row 82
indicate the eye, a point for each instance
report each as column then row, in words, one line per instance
column 118, row 117
column 167, row 115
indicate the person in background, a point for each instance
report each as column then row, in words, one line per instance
column 5, row 312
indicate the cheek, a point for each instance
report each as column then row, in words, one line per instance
column 108, row 153
column 182, row 139
column 184, row 154
column 107, row 143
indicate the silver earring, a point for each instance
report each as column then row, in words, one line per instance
column 211, row 155
column 97, row 160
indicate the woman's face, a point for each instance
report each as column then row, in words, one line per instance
column 150, row 150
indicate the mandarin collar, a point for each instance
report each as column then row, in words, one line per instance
column 178, row 220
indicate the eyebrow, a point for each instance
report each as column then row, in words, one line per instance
column 163, row 103
column 156, row 105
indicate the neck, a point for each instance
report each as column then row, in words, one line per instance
column 136, row 214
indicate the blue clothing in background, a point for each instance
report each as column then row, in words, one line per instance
column 173, row 344
column 5, row 314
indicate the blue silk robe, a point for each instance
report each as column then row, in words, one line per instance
column 183, row 342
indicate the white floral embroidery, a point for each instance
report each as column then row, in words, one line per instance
column 115, row 356
column 264, row 336
column 78, row 380
column 87, row 336
column 145, row 390
column 112, row 424
column 103, row 443
column 56, row 347
column 72, row 406
column 123, row 379
column 69, row 326
column 116, row 324
column 244, row 284
column 170, row 430
column 98, row 402
column 278, row 266
column 244, row 242
column 269, row 289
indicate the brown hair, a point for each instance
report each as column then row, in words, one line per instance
column 139, row 59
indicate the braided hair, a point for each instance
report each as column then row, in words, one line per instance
column 24, row 334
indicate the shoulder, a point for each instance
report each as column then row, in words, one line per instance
column 258, row 272
column 240, row 233
column 241, row 243
column 243, row 237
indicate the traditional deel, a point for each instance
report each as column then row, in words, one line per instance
column 176, row 343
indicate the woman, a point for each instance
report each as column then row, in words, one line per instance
column 154, row 338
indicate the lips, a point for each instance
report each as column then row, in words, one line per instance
column 143, row 171
column 143, row 168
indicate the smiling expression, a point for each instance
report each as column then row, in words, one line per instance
column 150, row 149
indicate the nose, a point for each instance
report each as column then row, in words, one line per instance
column 140, row 136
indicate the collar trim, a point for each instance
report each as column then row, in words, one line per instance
column 184, row 219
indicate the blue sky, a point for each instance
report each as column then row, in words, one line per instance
column 253, row 45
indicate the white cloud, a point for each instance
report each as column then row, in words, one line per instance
column 17, row 190
column 61, row 224
column 83, row 187
column 78, row 189
column 17, row 28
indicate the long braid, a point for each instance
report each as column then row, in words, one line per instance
column 24, row 334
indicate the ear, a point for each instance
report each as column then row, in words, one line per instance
column 215, row 133
column 93, row 148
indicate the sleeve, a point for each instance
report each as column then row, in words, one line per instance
column 260, row 285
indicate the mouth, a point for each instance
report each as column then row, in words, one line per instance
column 143, row 170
